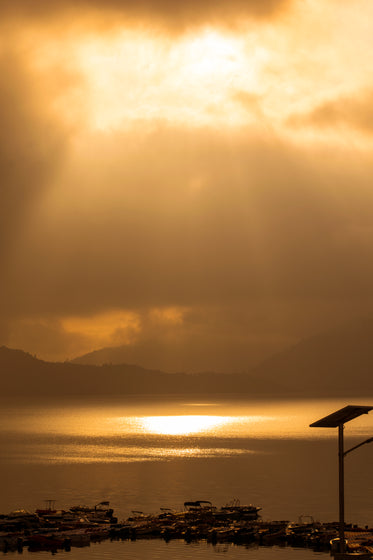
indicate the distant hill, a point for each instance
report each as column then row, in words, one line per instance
column 24, row 375
column 334, row 364
column 115, row 355
column 339, row 362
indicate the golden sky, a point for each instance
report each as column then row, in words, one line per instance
column 190, row 179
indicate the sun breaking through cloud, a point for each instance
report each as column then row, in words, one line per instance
column 191, row 184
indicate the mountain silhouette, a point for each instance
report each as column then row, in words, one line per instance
column 23, row 375
column 338, row 363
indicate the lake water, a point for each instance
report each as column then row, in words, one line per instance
column 178, row 550
column 142, row 454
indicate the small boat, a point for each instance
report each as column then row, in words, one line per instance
column 49, row 509
column 100, row 513
column 305, row 526
column 21, row 514
column 198, row 505
column 236, row 511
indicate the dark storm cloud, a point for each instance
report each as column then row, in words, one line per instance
column 175, row 13
column 351, row 111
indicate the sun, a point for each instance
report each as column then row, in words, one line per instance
column 134, row 77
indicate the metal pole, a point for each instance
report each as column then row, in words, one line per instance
column 341, row 491
column 358, row 445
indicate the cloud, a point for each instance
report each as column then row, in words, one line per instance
column 251, row 102
column 254, row 239
column 176, row 15
column 46, row 338
column 32, row 144
column 355, row 111
column 171, row 339
column 197, row 219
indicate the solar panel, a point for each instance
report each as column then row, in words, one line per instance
column 341, row 416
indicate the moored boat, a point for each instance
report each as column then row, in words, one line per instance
column 236, row 511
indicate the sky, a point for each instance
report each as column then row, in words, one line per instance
column 189, row 179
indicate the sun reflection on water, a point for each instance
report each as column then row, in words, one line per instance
column 61, row 453
column 183, row 425
column 234, row 419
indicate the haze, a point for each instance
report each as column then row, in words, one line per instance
column 187, row 176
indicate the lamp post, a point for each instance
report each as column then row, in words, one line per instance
column 337, row 420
